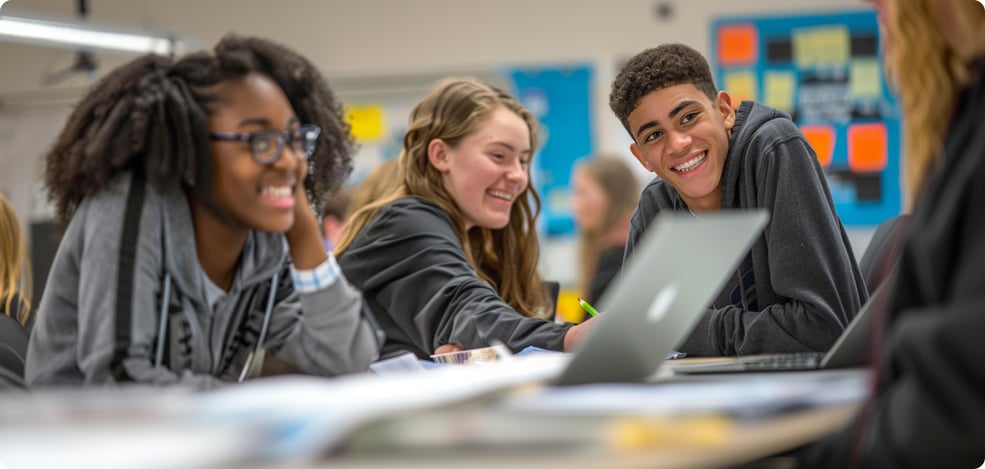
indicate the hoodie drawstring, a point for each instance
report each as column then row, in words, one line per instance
column 263, row 329
column 162, row 330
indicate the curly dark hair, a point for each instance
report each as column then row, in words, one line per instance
column 150, row 115
column 655, row 69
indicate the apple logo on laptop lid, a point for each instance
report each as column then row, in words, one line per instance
column 660, row 305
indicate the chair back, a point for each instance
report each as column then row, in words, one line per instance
column 883, row 252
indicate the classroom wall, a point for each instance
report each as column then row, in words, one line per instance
column 367, row 47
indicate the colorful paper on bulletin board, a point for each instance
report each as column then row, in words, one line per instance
column 741, row 85
column 825, row 71
column 365, row 121
column 738, row 44
column 866, row 78
column 867, row 147
column 560, row 98
column 822, row 139
column 821, row 45
column 780, row 89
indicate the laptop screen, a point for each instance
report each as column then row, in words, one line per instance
column 664, row 288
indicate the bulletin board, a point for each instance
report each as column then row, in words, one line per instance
column 825, row 71
column 378, row 127
column 559, row 98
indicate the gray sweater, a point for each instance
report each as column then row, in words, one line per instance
column 73, row 341
column 423, row 291
column 799, row 286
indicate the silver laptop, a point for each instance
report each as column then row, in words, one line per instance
column 850, row 350
column 657, row 299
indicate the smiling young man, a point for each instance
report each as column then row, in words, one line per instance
column 800, row 285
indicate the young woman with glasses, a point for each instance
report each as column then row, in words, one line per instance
column 191, row 251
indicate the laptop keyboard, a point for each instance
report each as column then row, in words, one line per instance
column 787, row 361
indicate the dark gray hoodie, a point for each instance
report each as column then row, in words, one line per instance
column 928, row 409
column 72, row 343
column 799, row 286
column 425, row 293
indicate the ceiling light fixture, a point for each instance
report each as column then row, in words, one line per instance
column 76, row 35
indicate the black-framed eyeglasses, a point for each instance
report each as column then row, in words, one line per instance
column 266, row 146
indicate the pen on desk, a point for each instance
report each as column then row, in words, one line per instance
column 588, row 308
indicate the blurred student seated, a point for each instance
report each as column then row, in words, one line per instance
column 382, row 180
column 604, row 194
column 15, row 297
column 334, row 214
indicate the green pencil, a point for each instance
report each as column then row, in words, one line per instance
column 588, row 308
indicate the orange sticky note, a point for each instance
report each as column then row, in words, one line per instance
column 867, row 147
column 822, row 140
column 738, row 44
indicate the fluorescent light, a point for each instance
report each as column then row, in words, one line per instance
column 65, row 34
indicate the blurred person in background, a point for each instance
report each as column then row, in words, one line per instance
column 382, row 180
column 604, row 194
column 15, row 276
column 334, row 214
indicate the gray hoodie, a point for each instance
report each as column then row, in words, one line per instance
column 73, row 341
column 799, row 286
column 425, row 293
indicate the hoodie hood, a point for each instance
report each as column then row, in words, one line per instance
column 750, row 117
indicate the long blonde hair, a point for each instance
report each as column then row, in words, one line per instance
column 622, row 192
column 926, row 74
column 506, row 258
column 381, row 181
column 15, row 272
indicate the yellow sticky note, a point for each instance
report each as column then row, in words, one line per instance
column 833, row 45
column 866, row 78
column 741, row 85
column 366, row 121
column 568, row 308
column 821, row 45
column 780, row 89
column 803, row 47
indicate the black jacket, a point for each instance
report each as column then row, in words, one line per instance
column 929, row 409
column 799, row 286
column 423, row 291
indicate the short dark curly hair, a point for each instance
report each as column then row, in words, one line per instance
column 655, row 69
column 151, row 115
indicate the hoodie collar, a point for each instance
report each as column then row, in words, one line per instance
column 749, row 117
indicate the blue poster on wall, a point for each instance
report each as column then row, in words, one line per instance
column 825, row 71
column 559, row 97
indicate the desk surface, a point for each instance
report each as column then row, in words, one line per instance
column 472, row 417
column 748, row 442
column 471, row 436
